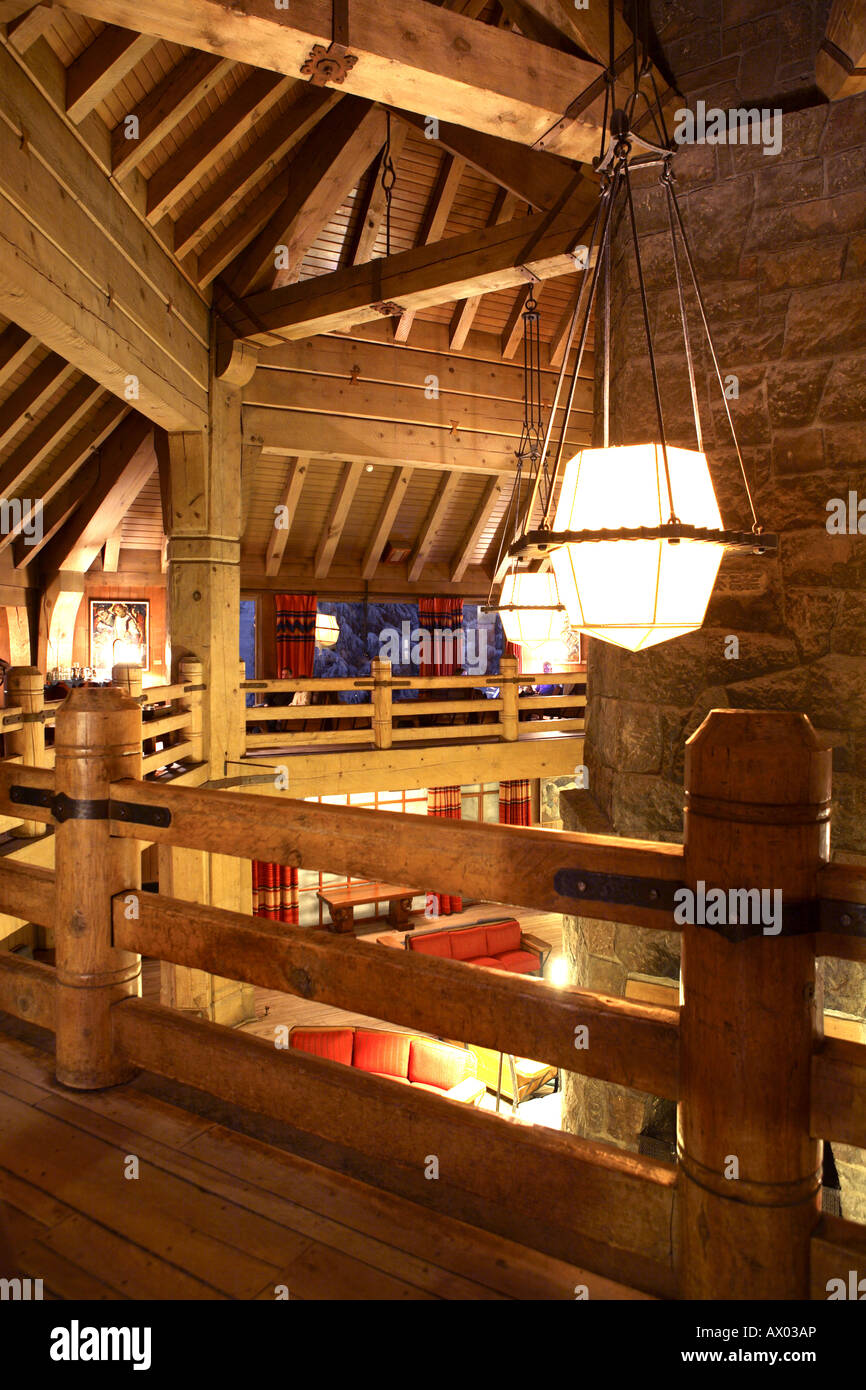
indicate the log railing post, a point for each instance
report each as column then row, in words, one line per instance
column 510, row 695
column 191, row 672
column 97, row 742
column 129, row 679
column 757, row 817
column 25, row 688
column 382, row 727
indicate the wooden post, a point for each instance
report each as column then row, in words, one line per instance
column 509, row 692
column 757, row 816
column 191, row 672
column 382, row 729
column 97, row 742
column 129, row 679
column 25, row 688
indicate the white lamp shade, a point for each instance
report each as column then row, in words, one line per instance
column 636, row 593
column 542, row 619
column 327, row 630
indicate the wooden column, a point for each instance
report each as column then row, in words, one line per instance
column 97, row 742
column 509, row 692
column 25, row 688
column 202, row 489
column 757, row 816
column 191, row 672
column 382, row 728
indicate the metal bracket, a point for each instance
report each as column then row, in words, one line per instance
column 35, row 717
column 64, row 808
column 626, row 890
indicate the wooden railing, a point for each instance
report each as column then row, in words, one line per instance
column 385, row 721
column 757, row 1085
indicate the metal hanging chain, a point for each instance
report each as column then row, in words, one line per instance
column 756, row 527
column 649, row 336
column 605, row 384
column 389, row 178
column 667, row 180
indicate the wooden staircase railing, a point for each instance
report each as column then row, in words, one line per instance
column 757, row 1086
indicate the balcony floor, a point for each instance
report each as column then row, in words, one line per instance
column 215, row 1214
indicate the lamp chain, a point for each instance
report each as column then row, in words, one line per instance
column 389, row 178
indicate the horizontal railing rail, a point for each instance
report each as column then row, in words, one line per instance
column 744, row 1046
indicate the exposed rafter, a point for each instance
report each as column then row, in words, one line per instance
column 33, row 450
column 104, row 63
column 433, row 226
column 295, row 474
column 157, row 114
column 388, row 513
column 512, row 333
column 496, row 258
column 27, row 398
column 466, row 309
column 323, row 172
column 432, row 523
column 487, row 78
column 336, row 519
column 483, row 512
column 371, row 216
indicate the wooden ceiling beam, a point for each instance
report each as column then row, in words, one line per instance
column 432, row 523
column 22, row 33
column 371, row 216
column 203, row 149
column 10, row 10
column 338, row 514
column 388, row 512
column 104, row 63
column 32, row 451
column 31, row 395
column 840, row 64
column 412, row 55
column 466, row 309
column 229, row 243
column 15, row 347
column 266, row 151
column 497, row 258
column 536, row 21
column 295, row 475
column 157, row 114
column 433, row 226
column 111, row 551
column 560, row 336
column 83, row 274
column 320, row 177
column 125, row 465
column 55, row 514
column 483, row 512
column 540, row 179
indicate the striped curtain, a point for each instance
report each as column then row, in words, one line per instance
column 514, row 804
column 275, row 892
column 275, row 887
column 296, row 634
column 446, row 614
column 443, row 802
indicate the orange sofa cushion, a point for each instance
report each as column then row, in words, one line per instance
column 433, row 944
column 521, row 962
column 333, row 1043
column 467, row 944
column 385, row 1053
column 503, row 936
column 437, row 1064
column 489, row 961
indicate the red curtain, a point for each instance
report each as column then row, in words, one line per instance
column 443, row 802
column 296, row 634
column 514, row 804
column 275, row 892
column 446, row 614
column 514, row 649
column 275, row 887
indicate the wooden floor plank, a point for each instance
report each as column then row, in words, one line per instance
column 62, row 1277
column 127, row 1270
column 321, row 1272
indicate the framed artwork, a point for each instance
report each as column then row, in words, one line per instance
column 119, row 632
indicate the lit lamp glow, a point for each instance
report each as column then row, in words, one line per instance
column 636, row 592
column 535, row 615
column 327, row 630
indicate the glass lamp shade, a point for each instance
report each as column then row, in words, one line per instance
column 541, row 620
column 635, row 593
column 327, row 630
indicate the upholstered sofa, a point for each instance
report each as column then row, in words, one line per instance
column 498, row 944
column 443, row 1068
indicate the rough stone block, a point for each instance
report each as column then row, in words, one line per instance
column 827, row 320
column 844, row 392
column 793, row 392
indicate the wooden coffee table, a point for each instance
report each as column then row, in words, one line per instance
column 342, row 901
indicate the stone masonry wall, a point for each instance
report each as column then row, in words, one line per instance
column 780, row 243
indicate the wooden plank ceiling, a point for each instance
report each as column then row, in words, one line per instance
column 224, row 162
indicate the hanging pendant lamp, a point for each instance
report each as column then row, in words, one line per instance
column 637, row 537
column 327, row 630
column 529, row 607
